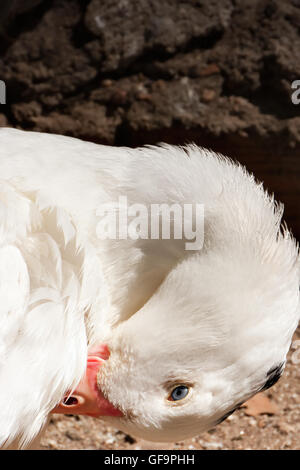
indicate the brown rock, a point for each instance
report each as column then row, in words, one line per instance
column 211, row 69
column 260, row 404
column 208, row 95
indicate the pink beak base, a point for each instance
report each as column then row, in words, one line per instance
column 87, row 399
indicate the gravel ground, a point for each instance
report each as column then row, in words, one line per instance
column 279, row 430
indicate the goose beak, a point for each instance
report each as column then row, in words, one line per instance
column 87, row 398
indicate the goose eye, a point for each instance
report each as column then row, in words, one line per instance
column 179, row 393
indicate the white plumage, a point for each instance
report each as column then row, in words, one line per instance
column 218, row 321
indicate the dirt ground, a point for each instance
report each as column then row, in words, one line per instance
column 276, row 426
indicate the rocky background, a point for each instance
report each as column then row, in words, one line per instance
column 131, row 72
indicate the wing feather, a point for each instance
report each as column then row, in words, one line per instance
column 42, row 332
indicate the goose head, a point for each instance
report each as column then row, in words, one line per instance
column 215, row 332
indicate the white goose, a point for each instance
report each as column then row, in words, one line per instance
column 175, row 339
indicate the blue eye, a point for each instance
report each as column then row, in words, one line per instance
column 179, row 393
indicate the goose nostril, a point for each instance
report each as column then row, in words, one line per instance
column 70, row 401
